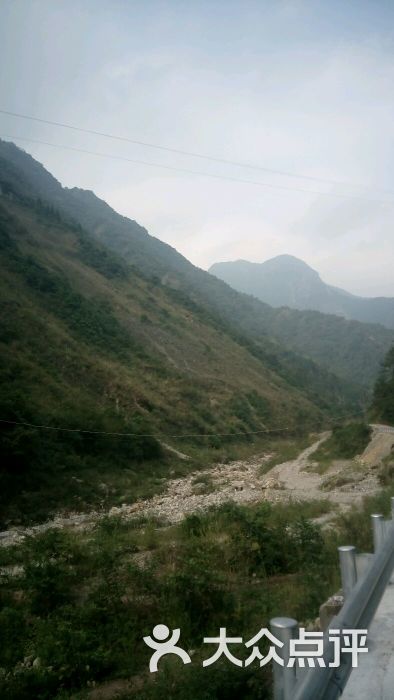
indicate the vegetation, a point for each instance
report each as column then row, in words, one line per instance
column 286, row 281
column 283, row 450
column 346, row 442
column 203, row 483
column 76, row 614
column 386, row 472
column 350, row 350
column 89, row 342
column 74, row 607
column 107, row 356
column 383, row 399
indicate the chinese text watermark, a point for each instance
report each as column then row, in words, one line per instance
column 304, row 651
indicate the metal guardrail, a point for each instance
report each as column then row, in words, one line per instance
column 364, row 579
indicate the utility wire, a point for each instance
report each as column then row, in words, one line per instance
column 156, row 435
column 192, row 154
column 199, row 173
column 151, row 435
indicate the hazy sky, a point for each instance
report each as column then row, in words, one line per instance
column 300, row 86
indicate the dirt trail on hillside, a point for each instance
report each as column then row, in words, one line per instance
column 380, row 446
column 243, row 481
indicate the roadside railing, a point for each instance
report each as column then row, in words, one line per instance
column 364, row 578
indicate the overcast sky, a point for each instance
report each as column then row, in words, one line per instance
column 298, row 86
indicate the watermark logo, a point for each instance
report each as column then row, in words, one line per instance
column 164, row 644
column 306, row 651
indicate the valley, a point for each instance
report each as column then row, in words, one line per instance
column 343, row 484
column 196, row 350
column 171, row 449
column 105, row 329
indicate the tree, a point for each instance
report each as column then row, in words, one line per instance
column 383, row 400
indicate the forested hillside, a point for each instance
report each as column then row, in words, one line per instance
column 352, row 350
column 383, row 400
column 91, row 343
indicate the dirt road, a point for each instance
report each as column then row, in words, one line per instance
column 345, row 483
column 381, row 445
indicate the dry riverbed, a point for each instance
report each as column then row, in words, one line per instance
column 244, row 481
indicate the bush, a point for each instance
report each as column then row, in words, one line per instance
column 346, row 442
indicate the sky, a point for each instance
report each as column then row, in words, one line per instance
column 297, row 86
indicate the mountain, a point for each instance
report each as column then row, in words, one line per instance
column 92, row 340
column 353, row 351
column 288, row 281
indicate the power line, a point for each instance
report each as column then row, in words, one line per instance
column 192, row 154
column 167, row 435
column 147, row 435
column 197, row 172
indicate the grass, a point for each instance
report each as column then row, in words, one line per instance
column 203, row 484
column 386, row 471
column 90, row 342
column 85, row 600
column 306, row 509
column 337, row 480
column 98, row 482
column 354, row 526
column 77, row 352
column 284, row 450
column 346, row 442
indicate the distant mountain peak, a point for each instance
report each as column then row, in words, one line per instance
column 286, row 280
column 283, row 260
column 286, row 257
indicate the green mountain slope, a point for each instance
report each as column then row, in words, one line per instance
column 90, row 342
column 288, row 281
column 383, row 399
column 351, row 350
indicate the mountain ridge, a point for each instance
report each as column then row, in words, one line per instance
column 115, row 362
column 352, row 350
column 288, row 281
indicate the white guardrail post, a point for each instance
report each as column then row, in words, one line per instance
column 284, row 629
column 378, row 530
column 347, row 562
